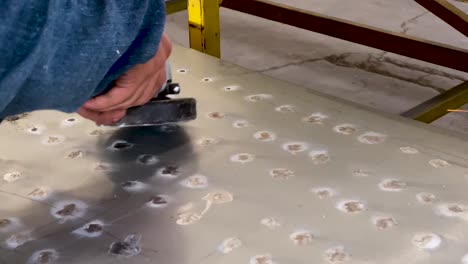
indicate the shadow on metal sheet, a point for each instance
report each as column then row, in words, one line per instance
column 123, row 212
column 161, row 147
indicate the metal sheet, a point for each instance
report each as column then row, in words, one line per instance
column 268, row 173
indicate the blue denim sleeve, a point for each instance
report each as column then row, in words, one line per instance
column 56, row 54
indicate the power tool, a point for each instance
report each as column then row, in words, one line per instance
column 162, row 109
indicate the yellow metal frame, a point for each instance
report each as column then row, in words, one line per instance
column 437, row 106
column 204, row 26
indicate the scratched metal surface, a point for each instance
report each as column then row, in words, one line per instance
column 268, row 173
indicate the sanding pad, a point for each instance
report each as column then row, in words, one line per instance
column 159, row 112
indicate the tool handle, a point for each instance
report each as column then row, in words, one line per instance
column 167, row 81
column 168, row 86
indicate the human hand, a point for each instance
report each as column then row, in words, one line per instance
column 135, row 87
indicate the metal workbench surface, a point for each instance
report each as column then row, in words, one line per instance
column 268, row 173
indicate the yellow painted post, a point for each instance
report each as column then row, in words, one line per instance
column 203, row 16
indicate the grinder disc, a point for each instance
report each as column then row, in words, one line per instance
column 159, row 112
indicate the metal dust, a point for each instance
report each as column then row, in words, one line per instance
column 265, row 136
column 69, row 122
column 218, row 197
column 302, row 238
column 315, row 118
column 69, row 210
column 323, row 192
column 426, row 241
column 121, row 145
column 384, row 223
column 231, row 88
column 409, row 150
column 12, row 176
column 270, row 222
column 35, row 130
column 426, row 198
column 9, row 224
column 452, row 210
column 147, row 159
column 262, row 259
column 372, row 138
column 187, row 218
column 45, row 256
column 103, row 167
column 92, row 229
column 281, row 173
column 4, row 223
column 241, row 124
column 158, row 201
column 258, row 97
column 15, row 118
column 337, row 255
column 392, row 185
column 286, row 109
column 133, row 186
column 295, row 147
column 345, row 129
column 319, row 156
column 216, row 115
column 40, row 193
column 204, row 142
column 242, row 157
column 351, row 206
column 130, row 247
column 229, row 244
column 19, row 239
column 196, row 181
column 439, row 163
column 361, row 173
column 53, row 140
column 97, row 132
column 168, row 172
column 75, row 154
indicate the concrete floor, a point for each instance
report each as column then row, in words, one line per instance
column 371, row 77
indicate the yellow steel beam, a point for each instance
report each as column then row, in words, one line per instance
column 204, row 29
column 439, row 105
column 173, row 6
